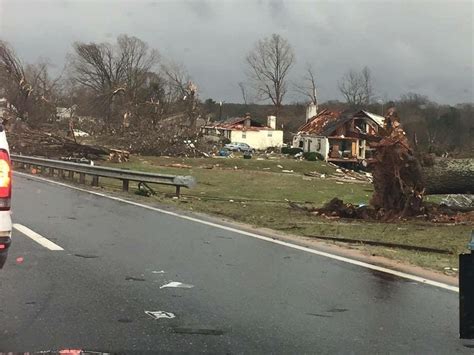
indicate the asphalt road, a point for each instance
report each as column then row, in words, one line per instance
column 248, row 295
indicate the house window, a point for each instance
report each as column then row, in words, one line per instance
column 244, row 134
column 269, row 134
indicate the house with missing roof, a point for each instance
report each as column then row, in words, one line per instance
column 339, row 136
column 246, row 130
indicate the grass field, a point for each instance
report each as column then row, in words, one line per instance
column 256, row 192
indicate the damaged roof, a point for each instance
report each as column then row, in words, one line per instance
column 238, row 123
column 325, row 122
column 379, row 120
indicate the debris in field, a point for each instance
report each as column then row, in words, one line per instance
column 37, row 142
column 459, row 201
column 119, row 156
column 144, row 190
column 287, row 171
column 279, row 166
column 179, row 165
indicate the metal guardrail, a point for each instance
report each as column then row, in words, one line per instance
column 100, row 171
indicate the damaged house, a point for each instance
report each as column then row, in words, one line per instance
column 339, row 136
column 246, row 130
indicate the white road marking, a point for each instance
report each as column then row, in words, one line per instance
column 160, row 314
column 177, row 285
column 36, row 237
column 258, row 236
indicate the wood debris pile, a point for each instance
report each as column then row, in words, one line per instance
column 26, row 141
column 119, row 156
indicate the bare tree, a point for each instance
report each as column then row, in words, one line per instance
column 357, row 87
column 243, row 91
column 268, row 65
column 307, row 86
column 111, row 70
column 29, row 89
column 180, row 86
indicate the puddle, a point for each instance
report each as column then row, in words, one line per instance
column 86, row 256
column 337, row 310
column 124, row 320
column 202, row 331
column 131, row 278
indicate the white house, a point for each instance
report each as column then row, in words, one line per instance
column 246, row 130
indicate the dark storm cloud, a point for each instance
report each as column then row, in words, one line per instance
column 422, row 46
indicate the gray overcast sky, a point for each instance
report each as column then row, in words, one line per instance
column 419, row 46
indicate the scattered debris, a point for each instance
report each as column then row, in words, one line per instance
column 160, row 314
column 459, row 201
column 159, row 272
column 37, row 142
column 179, row 165
column 144, row 190
column 119, row 156
column 176, row 284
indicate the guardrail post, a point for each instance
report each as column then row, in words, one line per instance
column 82, row 178
column 71, row 175
column 178, row 190
column 51, row 171
column 125, row 184
column 95, row 180
column 466, row 293
column 61, row 173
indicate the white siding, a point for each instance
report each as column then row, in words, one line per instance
column 313, row 144
column 258, row 139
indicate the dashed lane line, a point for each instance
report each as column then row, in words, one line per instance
column 36, row 237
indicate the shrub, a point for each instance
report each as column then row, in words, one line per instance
column 291, row 151
column 312, row 156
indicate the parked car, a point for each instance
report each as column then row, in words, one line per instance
column 239, row 147
column 5, row 197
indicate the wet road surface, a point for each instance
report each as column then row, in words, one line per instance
column 240, row 294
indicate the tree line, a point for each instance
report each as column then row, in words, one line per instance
column 126, row 86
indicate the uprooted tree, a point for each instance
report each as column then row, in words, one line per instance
column 402, row 178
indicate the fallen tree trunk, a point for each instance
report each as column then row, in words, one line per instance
column 449, row 176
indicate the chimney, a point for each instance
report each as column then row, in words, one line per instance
column 271, row 122
column 247, row 122
column 311, row 111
